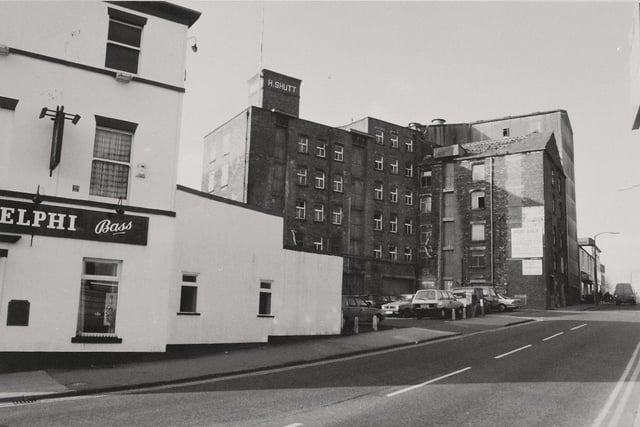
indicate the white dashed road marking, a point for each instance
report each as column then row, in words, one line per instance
column 553, row 336
column 413, row 387
column 512, row 351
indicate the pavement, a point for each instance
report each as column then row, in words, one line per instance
column 34, row 385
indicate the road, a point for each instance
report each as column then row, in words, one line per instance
column 569, row 370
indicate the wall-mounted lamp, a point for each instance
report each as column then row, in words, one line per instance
column 37, row 199
column 194, row 46
column 123, row 77
column 119, row 207
column 4, row 50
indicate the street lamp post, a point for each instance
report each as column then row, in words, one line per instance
column 595, row 263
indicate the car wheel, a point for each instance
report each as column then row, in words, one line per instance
column 502, row 307
column 406, row 313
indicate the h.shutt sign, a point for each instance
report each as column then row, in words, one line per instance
column 59, row 221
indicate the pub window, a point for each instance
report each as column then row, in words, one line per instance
column 477, row 200
column 123, row 41
column 18, row 313
column 99, row 285
column 111, row 163
column 189, row 293
column 264, row 305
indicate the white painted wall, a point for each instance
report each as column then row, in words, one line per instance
column 232, row 249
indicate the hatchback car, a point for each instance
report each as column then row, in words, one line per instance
column 505, row 303
column 353, row 306
column 434, row 302
column 401, row 306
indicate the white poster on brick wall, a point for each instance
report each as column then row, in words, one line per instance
column 532, row 267
column 526, row 243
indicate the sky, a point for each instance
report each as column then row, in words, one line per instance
column 415, row 61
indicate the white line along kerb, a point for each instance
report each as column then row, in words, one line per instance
column 512, row 351
column 413, row 387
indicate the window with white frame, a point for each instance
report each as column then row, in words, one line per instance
column 301, row 209
column 321, row 150
column 477, row 200
column 189, row 293
column 393, row 252
column 408, row 226
column 408, row 145
column 424, row 234
column 379, row 162
column 211, row 181
column 408, row 254
column 378, row 191
column 264, row 304
column 318, row 213
column 394, row 139
column 477, row 232
column 393, row 223
column 425, row 203
column 505, row 131
column 124, row 40
column 338, row 153
column 377, row 251
column 477, row 172
column 111, row 163
column 99, row 285
column 377, row 221
column 318, row 244
column 336, row 215
column 338, row 183
column 302, row 175
column 393, row 195
column 408, row 198
column 394, row 167
column 477, row 258
column 319, row 180
column 408, row 169
column 425, row 179
column 379, row 136
column 303, row 144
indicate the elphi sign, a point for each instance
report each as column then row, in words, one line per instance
column 58, row 221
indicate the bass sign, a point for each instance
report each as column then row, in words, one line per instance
column 71, row 223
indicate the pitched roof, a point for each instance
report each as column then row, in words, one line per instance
column 536, row 141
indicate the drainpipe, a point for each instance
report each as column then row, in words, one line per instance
column 246, row 155
column 441, row 225
column 491, row 214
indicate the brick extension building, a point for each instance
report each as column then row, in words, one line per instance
column 356, row 191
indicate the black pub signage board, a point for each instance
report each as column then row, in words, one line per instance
column 59, row 221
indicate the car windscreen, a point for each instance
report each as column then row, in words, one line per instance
column 428, row 294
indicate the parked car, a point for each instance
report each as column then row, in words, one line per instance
column 466, row 295
column 401, row 306
column 624, row 293
column 505, row 303
column 377, row 300
column 354, row 306
column 434, row 302
column 489, row 295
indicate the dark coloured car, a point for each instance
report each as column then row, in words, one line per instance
column 377, row 300
column 624, row 294
column 354, row 306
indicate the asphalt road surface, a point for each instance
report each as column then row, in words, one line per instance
column 570, row 370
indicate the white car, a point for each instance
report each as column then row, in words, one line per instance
column 505, row 303
column 401, row 306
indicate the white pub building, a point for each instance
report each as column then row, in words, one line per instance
column 100, row 250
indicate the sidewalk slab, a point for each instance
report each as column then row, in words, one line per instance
column 34, row 383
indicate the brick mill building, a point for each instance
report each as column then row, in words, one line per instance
column 368, row 191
